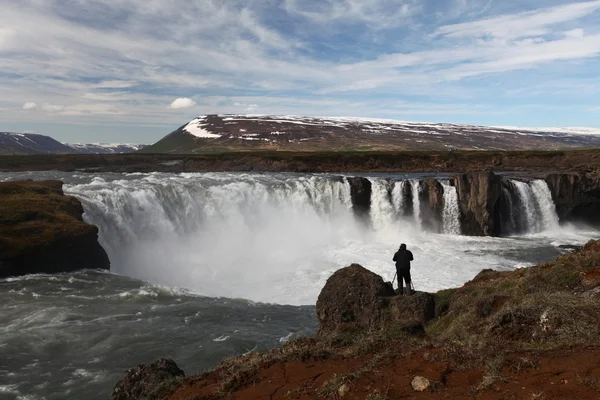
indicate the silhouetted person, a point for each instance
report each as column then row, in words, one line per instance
column 403, row 258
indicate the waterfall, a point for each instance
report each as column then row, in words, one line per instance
column 537, row 211
column 209, row 226
column 383, row 212
column 545, row 204
column 398, row 200
column 416, row 190
column 528, row 213
column 451, row 213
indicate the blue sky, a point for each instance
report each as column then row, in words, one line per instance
column 134, row 70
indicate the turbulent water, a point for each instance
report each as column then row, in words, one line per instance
column 183, row 245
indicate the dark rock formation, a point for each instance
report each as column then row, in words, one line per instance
column 432, row 205
column 148, row 380
column 412, row 312
column 42, row 231
column 409, row 208
column 360, row 192
column 576, row 196
column 479, row 200
column 353, row 295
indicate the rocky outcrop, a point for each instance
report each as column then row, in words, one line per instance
column 360, row 192
column 148, row 381
column 411, row 313
column 354, row 296
column 576, row 196
column 42, row 231
column 479, row 201
column 433, row 196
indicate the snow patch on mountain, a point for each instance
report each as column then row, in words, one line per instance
column 197, row 127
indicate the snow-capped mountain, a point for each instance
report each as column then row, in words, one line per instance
column 247, row 132
column 105, row 148
column 31, row 143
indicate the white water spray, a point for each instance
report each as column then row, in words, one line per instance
column 545, row 204
column 451, row 213
column 416, row 190
column 383, row 213
column 398, row 200
column 527, row 201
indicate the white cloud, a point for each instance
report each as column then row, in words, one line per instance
column 52, row 108
column 575, row 33
column 513, row 26
column 30, row 106
column 380, row 13
column 183, row 102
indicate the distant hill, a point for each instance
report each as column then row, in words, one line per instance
column 214, row 133
column 31, row 143
column 105, row 148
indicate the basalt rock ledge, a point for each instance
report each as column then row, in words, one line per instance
column 42, row 231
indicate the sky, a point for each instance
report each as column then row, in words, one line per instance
column 131, row 71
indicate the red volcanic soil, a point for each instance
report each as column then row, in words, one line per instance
column 559, row 374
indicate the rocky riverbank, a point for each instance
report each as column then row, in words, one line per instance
column 532, row 333
column 42, row 231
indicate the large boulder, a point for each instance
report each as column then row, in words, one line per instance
column 42, row 231
column 576, row 196
column 479, row 197
column 148, row 380
column 353, row 295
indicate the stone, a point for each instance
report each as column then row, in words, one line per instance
column 353, row 295
column 420, row 384
column 146, row 380
column 343, row 390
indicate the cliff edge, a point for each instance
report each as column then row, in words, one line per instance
column 42, row 231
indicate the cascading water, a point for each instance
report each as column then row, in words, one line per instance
column 383, row 212
column 398, row 200
column 223, row 233
column 416, row 190
column 527, row 202
column 545, row 204
column 451, row 213
column 536, row 207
